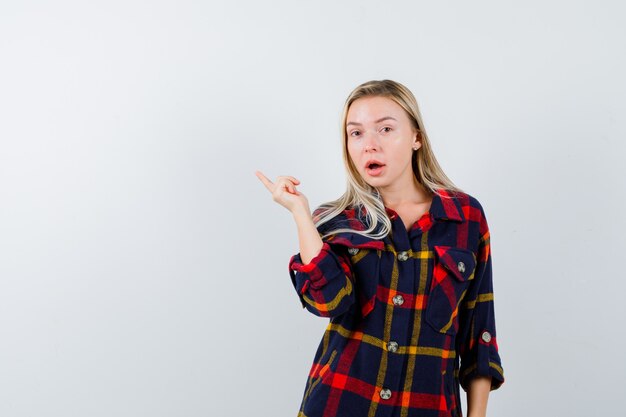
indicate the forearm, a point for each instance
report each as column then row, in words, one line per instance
column 477, row 396
column 308, row 236
column 321, row 275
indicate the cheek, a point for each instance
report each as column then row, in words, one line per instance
column 397, row 163
column 352, row 153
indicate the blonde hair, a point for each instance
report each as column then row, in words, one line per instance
column 359, row 194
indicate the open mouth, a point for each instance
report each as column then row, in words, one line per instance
column 374, row 168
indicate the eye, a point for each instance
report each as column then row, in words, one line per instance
column 355, row 133
column 387, row 127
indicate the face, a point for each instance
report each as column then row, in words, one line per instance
column 380, row 131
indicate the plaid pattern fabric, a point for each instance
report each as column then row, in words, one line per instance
column 411, row 316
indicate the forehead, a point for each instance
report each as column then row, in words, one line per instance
column 369, row 109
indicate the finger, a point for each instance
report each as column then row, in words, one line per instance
column 293, row 179
column 266, row 181
column 284, row 182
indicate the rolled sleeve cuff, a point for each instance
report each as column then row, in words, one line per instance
column 486, row 362
column 313, row 274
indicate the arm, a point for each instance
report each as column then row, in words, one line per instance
column 321, row 275
column 481, row 368
column 308, row 237
column 477, row 396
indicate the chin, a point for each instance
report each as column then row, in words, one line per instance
column 376, row 182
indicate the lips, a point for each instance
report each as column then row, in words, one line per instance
column 374, row 168
column 373, row 164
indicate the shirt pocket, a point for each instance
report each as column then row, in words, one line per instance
column 452, row 273
column 366, row 267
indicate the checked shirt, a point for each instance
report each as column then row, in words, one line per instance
column 411, row 315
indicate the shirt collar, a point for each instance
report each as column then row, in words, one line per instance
column 444, row 207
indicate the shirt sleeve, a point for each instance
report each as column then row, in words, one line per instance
column 478, row 343
column 325, row 285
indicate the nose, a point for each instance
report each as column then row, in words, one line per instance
column 370, row 142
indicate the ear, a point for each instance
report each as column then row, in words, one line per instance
column 417, row 142
column 417, row 139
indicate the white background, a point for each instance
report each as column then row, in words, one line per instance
column 143, row 266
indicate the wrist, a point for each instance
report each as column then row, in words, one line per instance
column 301, row 212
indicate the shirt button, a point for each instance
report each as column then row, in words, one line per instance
column 385, row 393
column 403, row 256
column 398, row 299
column 486, row 336
column 353, row 251
column 392, row 346
column 461, row 267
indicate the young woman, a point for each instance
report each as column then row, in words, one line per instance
column 401, row 264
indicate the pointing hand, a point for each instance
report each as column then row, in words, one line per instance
column 284, row 192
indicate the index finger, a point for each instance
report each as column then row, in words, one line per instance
column 266, row 181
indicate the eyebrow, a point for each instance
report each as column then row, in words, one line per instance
column 377, row 121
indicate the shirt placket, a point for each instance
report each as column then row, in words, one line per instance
column 397, row 345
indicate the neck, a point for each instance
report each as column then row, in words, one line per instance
column 397, row 195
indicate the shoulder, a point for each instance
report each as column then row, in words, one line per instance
column 463, row 197
column 470, row 205
column 349, row 218
column 470, row 210
column 474, row 212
